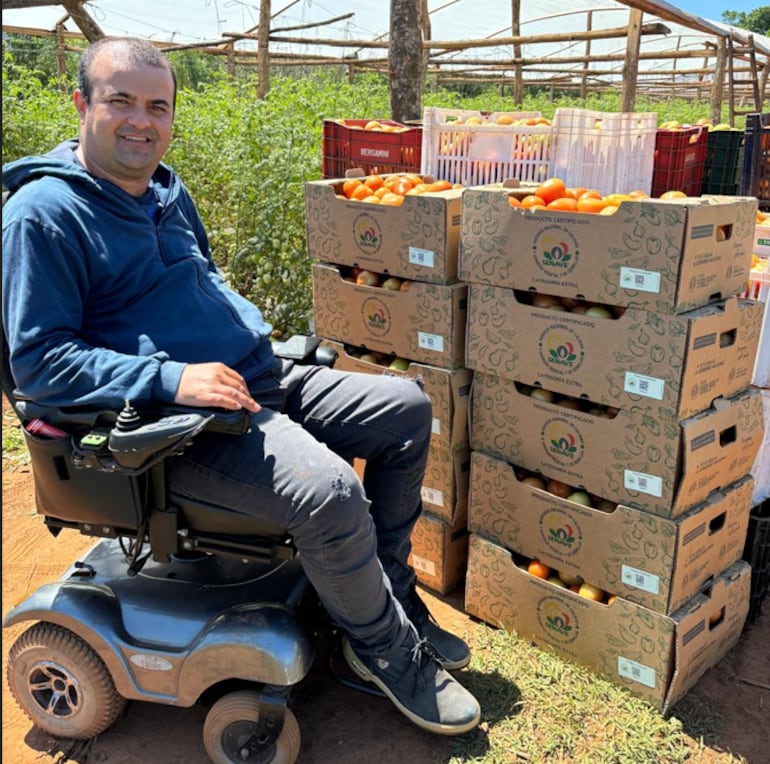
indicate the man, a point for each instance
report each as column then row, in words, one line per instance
column 110, row 294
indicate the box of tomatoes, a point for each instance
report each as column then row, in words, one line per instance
column 403, row 224
column 619, row 550
column 655, row 656
column 669, row 255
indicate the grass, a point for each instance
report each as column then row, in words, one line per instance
column 538, row 708
column 15, row 452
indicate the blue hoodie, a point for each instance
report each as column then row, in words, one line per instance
column 101, row 303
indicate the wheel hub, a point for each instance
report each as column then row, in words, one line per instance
column 54, row 689
column 250, row 742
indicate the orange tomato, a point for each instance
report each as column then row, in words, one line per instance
column 590, row 204
column 392, row 199
column 539, row 569
column 440, row 185
column 349, row 186
column 402, row 187
column 550, row 189
column 673, row 195
column 381, row 191
column 638, row 194
column 578, row 191
column 374, row 182
column 533, row 200
column 565, row 204
column 360, row 192
column 590, row 194
column 513, row 201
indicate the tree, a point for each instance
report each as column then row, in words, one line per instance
column 757, row 20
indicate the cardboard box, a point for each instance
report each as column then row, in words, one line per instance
column 444, row 490
column 448, row 390
column 671, row 366
column 416, row 240
column 659, row 466
column 425, row 324
column 658, row 657
column 649, row 560
column 668, row 257
column 439, row 553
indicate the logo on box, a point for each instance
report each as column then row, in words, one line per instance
column 367, row 234
column 560, row 531
column 562, row 441
column 561, row 349
column 376, row 316
column 555, row 251
column 557, row 619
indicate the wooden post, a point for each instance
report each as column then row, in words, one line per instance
column 631, row 65
column 61, row 62
column 518, row 74
column 405, row 60
column 584, row 75
column 263, row 85
column 717, row 90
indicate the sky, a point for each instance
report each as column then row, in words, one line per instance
column 195, row 20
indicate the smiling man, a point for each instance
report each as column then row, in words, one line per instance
column 111, row 293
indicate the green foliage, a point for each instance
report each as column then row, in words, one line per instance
column 757, row 20
column 37, row 113
column 246, row 161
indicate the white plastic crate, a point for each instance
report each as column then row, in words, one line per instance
column 761, row 469
column 759, row 289
column 762, row 240
column 476, row 155
column 608, row 152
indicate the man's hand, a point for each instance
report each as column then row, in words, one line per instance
column 214, row 384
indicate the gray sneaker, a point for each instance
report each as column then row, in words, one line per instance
column 424, row 692
column 451, row 651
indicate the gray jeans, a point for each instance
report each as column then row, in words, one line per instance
column 293, row 468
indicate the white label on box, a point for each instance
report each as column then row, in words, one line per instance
column 652, row 485
column 649, row 387
column 432, row 496
column 430, row 341
column 422, row 257
column 639, row 280
column 424, row 566
column 636, row 672
column 435, row 427
column 639, row 579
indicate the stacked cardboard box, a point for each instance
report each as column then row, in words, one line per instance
column 418, row 331
column 612, row 429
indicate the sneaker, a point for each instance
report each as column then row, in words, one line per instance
column 423, row 691
column 452, row 652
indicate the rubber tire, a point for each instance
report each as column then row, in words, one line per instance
column 240, row 706
column 46, row 646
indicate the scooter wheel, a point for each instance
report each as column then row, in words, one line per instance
column 61, row 684
column 230, row 727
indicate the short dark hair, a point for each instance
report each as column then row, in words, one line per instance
column 137, row 51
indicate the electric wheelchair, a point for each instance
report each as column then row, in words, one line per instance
column 177, row 601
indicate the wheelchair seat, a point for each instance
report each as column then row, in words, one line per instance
column 86, row 483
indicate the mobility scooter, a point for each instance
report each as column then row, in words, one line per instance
column 178, row 600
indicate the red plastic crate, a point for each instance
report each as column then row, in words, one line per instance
column 680, row 157
column 346, row 145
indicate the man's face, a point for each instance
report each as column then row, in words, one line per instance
column 125, row 128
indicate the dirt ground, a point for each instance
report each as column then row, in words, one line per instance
column 339, row 725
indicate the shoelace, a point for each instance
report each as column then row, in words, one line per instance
column 426, row 659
